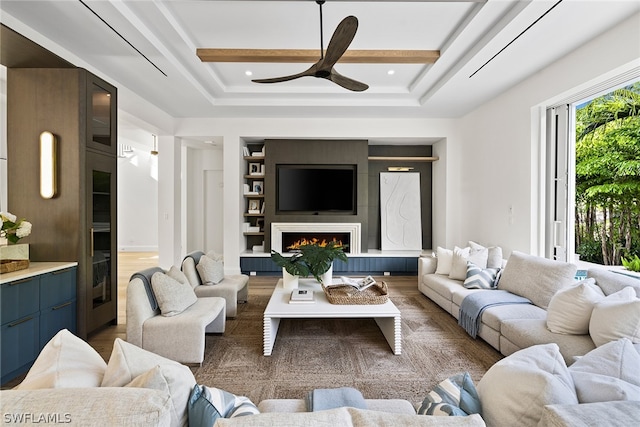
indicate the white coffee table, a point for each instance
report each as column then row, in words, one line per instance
column 386, row 315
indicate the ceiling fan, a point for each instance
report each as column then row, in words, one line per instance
column 323, row 68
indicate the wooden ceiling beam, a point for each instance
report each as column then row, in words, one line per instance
column 311, row 56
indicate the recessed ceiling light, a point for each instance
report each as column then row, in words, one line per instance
column 248, row 73
column 391, row 72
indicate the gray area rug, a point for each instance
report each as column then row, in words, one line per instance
column 328, row 353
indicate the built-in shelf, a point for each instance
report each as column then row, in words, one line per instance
column 403, row 158
column 254, row 197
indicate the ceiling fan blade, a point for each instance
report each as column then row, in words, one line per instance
column 340, row 41
column 347, row 82
column 308, row 72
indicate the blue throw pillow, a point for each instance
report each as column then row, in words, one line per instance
column 454, row 396
column 207, row 404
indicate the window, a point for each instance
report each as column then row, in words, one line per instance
column 593, row 177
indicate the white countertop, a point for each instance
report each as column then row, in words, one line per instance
column 35, row 269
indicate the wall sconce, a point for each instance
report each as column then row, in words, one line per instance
column 48, row 165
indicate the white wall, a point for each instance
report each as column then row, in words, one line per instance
column 137, row 194
column 203, row 162
column 499, row 161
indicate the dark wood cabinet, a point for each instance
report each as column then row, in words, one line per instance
column 80, row 223
column 101, row 116
column 101, row 256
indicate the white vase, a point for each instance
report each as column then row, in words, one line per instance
column 289, row 281
column 327, row 277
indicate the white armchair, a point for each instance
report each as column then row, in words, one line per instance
column 233, row 288
column 180, row 337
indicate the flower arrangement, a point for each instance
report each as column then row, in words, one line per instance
column 14, row 229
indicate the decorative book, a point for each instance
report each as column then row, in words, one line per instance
column 302, row 296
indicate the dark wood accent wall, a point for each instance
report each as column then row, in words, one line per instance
column 425, row 169
column 56, row 233
column 298, row 151
column 58, row 100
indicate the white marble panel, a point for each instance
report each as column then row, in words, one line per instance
column 401, row 226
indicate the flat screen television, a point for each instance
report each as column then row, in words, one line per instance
column 315, row 189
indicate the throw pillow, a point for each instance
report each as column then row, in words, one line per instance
column 454, row 396
column 128, row 362
column 616, row 316
column 211, row 271
column 173, row 297
column 153, row 379
column 478, row 278
column 459, row 263
column 610, row 372
column 478, row 254
column 178, row 275
column 445, row 258
column 570, row 308
column 215, row 256
column 207, row 404
column 494, row 254
column 592, row 388
column 65, row 361
column 536, row 278
column 514, row 391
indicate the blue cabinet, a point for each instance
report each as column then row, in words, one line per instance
column 34, row 309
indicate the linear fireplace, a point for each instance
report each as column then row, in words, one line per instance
column 284, row 235
column 293, row 240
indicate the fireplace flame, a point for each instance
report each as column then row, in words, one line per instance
column 314, row 241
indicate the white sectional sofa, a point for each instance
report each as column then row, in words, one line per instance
column 71, row 384
column 509, row 328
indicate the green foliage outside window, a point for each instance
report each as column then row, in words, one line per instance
column 608, row 177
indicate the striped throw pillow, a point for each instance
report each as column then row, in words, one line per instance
column 207, row 404
column 479, row 278
column 454, row 396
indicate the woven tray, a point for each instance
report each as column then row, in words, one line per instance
column 10, row 265
column 347, row 295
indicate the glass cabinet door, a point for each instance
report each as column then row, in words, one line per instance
column 101, row 115
column 101, row 271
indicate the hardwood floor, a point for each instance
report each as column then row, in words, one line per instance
column 131, row 262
